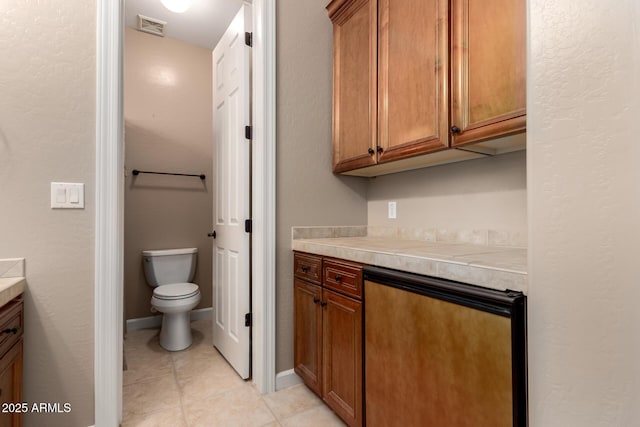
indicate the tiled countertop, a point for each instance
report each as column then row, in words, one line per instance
column 12, row 281
column 495, row 267
column 10, row 287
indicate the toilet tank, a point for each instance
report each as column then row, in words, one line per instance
column 165, row 266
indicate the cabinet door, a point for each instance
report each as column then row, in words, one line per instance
column 11, row 384
column 412, row 77
column 342, row 363
column 354, row 83
column 308, row 334
column 488, row 46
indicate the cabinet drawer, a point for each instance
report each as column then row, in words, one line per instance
column 11, row 324
column 343, row 277
column 307, row 267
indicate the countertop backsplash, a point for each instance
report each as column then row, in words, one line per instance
column 468, row 236
column 11, row 267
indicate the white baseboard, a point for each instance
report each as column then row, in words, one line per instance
column 156, row 321
column 286, row 379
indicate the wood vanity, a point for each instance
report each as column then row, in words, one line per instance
column 11, row 332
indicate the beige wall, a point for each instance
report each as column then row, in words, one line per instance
column 47, row 133
column 307, row 192
column 168, row 128
column 489, row 193
column 584, row 213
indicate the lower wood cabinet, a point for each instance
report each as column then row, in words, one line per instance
column 342, row 356
column 11, row 327
column 328, row 334
column 308, row 334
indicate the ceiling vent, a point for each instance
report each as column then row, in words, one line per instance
column 151, row 25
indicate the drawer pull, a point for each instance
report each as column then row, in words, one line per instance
column 10, row 331
column 304, row 268
column 338, row 278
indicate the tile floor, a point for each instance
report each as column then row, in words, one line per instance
column 197, row 388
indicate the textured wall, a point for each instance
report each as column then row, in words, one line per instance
column 307, row 192
column 168, row 127
column 47, row 133
column 489, row 193
column 584, row 206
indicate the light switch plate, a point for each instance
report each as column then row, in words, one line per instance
column 67, row 195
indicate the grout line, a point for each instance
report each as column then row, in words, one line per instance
column 175, row 377
column 275, row 417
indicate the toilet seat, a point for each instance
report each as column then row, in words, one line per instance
column 176, row 291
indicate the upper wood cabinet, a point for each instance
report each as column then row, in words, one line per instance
column 354, row 83
column 412, row 78
column 488, row 69
column 416, row 77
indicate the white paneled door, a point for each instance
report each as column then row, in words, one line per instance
column 232, row 151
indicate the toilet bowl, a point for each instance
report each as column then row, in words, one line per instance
column 169, row 272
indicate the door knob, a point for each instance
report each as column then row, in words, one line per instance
column 212, row 234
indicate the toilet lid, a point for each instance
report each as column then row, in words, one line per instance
column 176, row 291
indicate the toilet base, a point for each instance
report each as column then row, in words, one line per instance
column 175, row 334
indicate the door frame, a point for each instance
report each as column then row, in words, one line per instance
column 109, row 188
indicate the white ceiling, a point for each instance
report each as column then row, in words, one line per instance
column 202, row 24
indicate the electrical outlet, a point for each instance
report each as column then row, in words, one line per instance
column 392, row 210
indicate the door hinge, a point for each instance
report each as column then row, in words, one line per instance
column 247, row 319
column 248, row 39
column 248, row 225
column 248, row 132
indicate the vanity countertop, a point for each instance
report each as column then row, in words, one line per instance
column 490, row 266
column 10, row 287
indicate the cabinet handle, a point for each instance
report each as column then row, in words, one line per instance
column 338, row 278
column 371, row 150
column 304, row 268
column 212, row 234
column 10, row 331
column 323, row 303
column 455, row 129
column 379, row 149
column 316, row 300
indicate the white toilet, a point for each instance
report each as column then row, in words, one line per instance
column 169, row 272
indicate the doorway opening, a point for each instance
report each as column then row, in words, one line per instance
column 110, row 195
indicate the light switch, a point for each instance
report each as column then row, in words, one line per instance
column 65, row 195
column 61, row 195
column 74, row 197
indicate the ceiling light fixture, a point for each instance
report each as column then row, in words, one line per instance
column 177, row 6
